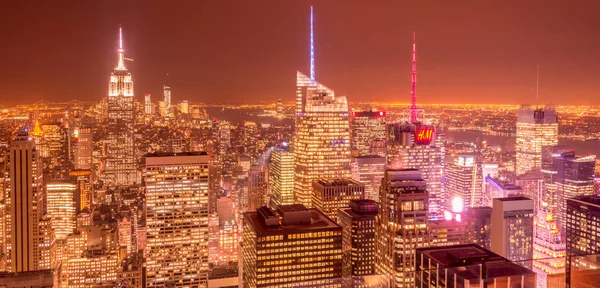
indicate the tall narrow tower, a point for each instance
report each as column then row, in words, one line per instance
column 312, row 46
column 413, row 93
column 318, row 152
column 120, row 161
column 167, row 95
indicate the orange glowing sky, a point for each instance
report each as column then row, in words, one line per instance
column 248, row 51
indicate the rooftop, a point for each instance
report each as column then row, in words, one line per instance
column 338, row 182
column 513, row 198
column 167, row 154
column 318, row 222
column 588, row 200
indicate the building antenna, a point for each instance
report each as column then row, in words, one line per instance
column 312, row 46
column 121, row 64
column 413, row 107
column 537, row 88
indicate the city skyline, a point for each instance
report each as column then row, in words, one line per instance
column 209, row 61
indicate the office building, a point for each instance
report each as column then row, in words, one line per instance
column 281, row 177
column 257, row 187
column 33, row 279
column 167, row 99
column 367, row 127
column 121, row 166
column 54, row 150
column 148, row 104
column 468, row 266
column 83, row 197
column 535, row 128
column 22, row 200
column 84, row 150
column 401, row 225
column 478, row 226
column 512, row 233
column 60, row 207
column 318, row 107
column 463, row 181
column 566, row 176
column 582, row 226
column 177, row 219
column 532, row 184
column 420, row 147
column 358, row 237
column 497, row 188
column 489, row 170
column 447, row 232
column 549, row 250
column 304, row 248
column 369, row 171
column 329, row 195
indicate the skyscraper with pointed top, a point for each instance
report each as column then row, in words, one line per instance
column 167, row 95
column 322, row 134
column 120, row 157
column 413, row 94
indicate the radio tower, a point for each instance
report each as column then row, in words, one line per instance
column 413, row 93
column 312, row 47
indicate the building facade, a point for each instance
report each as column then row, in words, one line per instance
column 281, row 177
column 358, row 237
column 177, row 219
column 329, row 195
column 535, row 128
column 512, row 233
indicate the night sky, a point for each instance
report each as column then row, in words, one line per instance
column 248, row 51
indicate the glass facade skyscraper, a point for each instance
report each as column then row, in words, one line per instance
column 535, row 128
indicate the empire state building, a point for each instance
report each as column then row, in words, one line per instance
column 120, row 160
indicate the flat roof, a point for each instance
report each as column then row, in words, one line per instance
column 318, row 222
column 168, row 154
column 338, row 182
column 451, row 256
column 513, row 198
column 588, row 200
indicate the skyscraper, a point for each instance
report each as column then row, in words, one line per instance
column 147, row 104
column 358, row 237
column 512, row 233
column 401, row 225
column 329, row 195
column 369, row 171
column 463, row 181
column 167, row 96
column 566, row 176
column 22, row 192
column 367, row 127
column 281, row 177
column 256, row 187
column 583, row 213
column 419, row 147
column 85, row 149
column 535, row 128
column 478, row 226
column 120, row 159
column 177, row 219
column 549, row 248
column 303, row 249
column 61, row 207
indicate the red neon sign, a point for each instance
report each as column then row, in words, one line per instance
column 424, row 135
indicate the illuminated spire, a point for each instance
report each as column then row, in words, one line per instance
column 37, row 131
column 312, row 47
column 121, row 63
column 413, row 94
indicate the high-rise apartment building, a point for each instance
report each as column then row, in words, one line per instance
column 565, row 176
column 550, row 249
column 583, row 227
column 304, row 248
column 60, row 207
column 358, row 237
column 22, row 198
column 322, row 137
column 401, row 225
column 369, row 171
column 329, row 195
column 419, row 147
column 478, row 226
column 535, row 128
column 177, row 219
column 463, row 181
column 367, row 127
column 468, row 266
column 281, row 177
column 121, row 166
column 148, row 104
column 512, row 233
